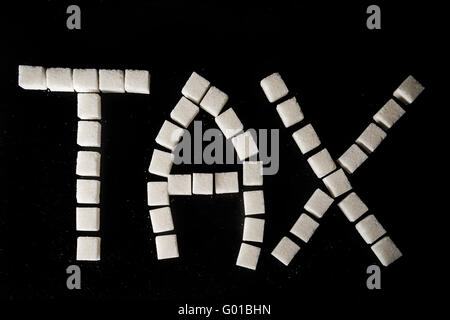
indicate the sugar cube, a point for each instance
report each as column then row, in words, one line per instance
column 111, row 80
column 370, row 229
column 229, row 123
column 386, row 251
column 253, row 230
column 169, row 135
column 322, row 163
column 88, row 163
column 88, row 219
column 371, row 137
column 408, row 90
column 285, row 251
column 32, row 78
column 352, row 207
column 352, row 158
column 337, row 183
column 318, row 203
column 252, row 173
column 167, row 247
column 248, row 256
column 306, row 138
column 59, row 79
column 388, row 115
column 290, row 112
column 274, row 87
column 85, row 80
column 214, row 101
column 184, row 112
column 89, row 134
column 161, row 163
column 254, row 202
column 137, row 81
column 304, row 227
column 245, row 145
column 88, row 249
column 202, row 183
column 226, row 182
column 161, row 219
column 88, row 191
column 195, row 88
column 180, row 184
column 89, row 106
column 157, row 193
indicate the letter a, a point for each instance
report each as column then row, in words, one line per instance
column 374, row 20
column 74, row 280
column 74, row 20
column 374, row 280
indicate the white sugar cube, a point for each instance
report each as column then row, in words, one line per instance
column 408, row 90
column 88, row 191
column 111, row 80
column 161, row 219
column 89, row 134
column 252, row 173
column 352, row 158
column 89, row 106
column 274, row 87
column 214, row 101
column 88, row 219
column 157, row 193
column 229, row 123
column 169, row 135
column 318, row 203
column 304, row 227
column 137, row 81
column 254, row 202
column 386, row 251
column 184, row 112
column 306, row 138
column 59, row 79
column 352, row 207
column 370, row 229
column 285, row 251
column 226, row 182
column 202, row 183
column 88, row 249
column 195, row 88
column 167, row 247
column 290, row 112
column 322, row 163
column 248, row 256
column 85, row 80
column 32, row 78
column 161, row 163
column 253, row 230
column 245, row 145
column 371, row 137
column 337, row 183
column 88, row 164
column 388, row 115
column 180, row 184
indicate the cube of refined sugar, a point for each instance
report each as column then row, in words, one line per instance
column 245, row 145
column 337, row 183
column 253, row 230
column 32, row 78
column 202, row 183
column 85, row 80
column 88, row 163
column 285, row 251
column 88, row 191
column 252, row 173
column 161, row 219
column 88, row 248
column 304, row 227
column 180, row 184
column 89, row 106
column 137, row 81
column 352, row 207
column 370, row 229
column 161, row 163
column 322, row 163
column 88, row 219
column 89, row 134
column 111, row 80
column 371, row 137
column 248, row 256
column 318, row 203
column 254, row 202
column 169, row 135
column 386, row 251
column 59, row 79
column 195, row 88
column 352, row 158
column 184, row 112
column 290, row 112
column 409, row 90
column 157, row 193
column 226, row 182
column 306, row 138
column 274, row 87
column 229, row 123
column 167, row 247
column 388, row 115
column 214, row 101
